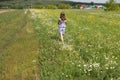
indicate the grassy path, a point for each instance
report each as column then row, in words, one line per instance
column 19, row 51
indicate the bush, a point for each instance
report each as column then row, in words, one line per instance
column 38, row 7
column 17, row 6
column 50, row 6
column 111, row 6
column 64, row 6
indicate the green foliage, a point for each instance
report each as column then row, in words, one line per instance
column 92, row 3
column 47, row 6
column 38, row 4
column 17, row 6
column 38, row 7
column 111, row 6
column 64, row 6
column 50, row 6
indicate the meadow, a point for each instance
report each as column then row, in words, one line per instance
column 18, row 46
column 91, row 49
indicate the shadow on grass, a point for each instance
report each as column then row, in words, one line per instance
column 55, row 37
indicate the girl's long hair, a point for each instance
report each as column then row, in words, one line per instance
column 62, row 16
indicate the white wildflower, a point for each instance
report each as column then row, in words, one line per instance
column 85, row 65
column 90, row 66
column 73, row 63
column 106, row 68
column 79, row 65
column 62, row 73
column 106, row 58
column 89, row 45
column 112, row 67
column 89, row 70
column 66, row 75
column 34, row 61
column 96, row 64
column 113, row 56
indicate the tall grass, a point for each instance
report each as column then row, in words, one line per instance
column 7, row 31
column 18, row 46
column 91, row 50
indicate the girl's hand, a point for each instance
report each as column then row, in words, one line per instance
column 65, row 21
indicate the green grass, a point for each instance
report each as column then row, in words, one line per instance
column 18, row 47
column 30, row 47
column 91, row 50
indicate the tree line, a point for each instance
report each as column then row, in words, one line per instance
column 52, row 4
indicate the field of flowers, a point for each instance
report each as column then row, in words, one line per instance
column 91, row 50
column 30, row 46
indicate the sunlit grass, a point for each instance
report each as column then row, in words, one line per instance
column 91, row 50
column 18, row 46
column 30, row 45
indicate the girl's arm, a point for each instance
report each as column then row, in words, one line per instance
column 65, row 21
column 59, row 21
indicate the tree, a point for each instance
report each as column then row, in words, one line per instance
column 111, row 5
column 50, row 6
column 64, row 6
column 92, row 3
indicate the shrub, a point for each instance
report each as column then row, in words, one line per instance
column 111, row 5
column 17, row 6
column 38, row 7
column 50, row 6
column 64, row 6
